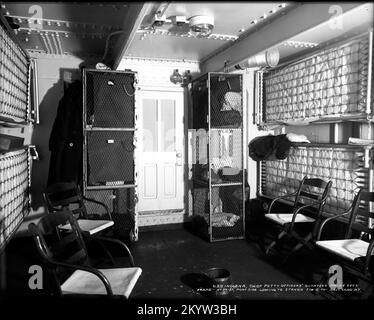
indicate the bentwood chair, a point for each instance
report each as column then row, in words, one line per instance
column 354, row 250
column 66, row 250
column 67, row 195
column 311, row 195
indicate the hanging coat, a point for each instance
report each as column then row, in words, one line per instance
column 66, row 139
column 269, row 147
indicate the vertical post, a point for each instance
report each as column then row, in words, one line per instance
column 135, row 235
column 369, row 113
column 2, row 273
column 36, row 91
column 244, row 143
column 371, row 181
column 28, row 99
column 209, row 164
column 84, row 124
column 336, row 132
column 256, row 106
column 370, row 67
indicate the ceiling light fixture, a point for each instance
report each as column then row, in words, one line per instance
column 201, row 26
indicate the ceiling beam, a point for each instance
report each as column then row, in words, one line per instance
column 295, row 21
column 132, row 21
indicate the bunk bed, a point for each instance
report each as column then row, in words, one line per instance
column 16, row 112
column 332, row 86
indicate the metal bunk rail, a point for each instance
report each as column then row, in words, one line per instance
column 331, row 85
column 348, row 166
column 15, row 182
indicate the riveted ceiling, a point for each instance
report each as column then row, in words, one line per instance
column 72, row 28
column 90, row 29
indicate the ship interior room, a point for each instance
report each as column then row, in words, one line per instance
column 186, row 150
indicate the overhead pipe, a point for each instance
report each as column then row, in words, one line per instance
column 268, row 58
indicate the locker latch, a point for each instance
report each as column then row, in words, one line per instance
column 34, row 153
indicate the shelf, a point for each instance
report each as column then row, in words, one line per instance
column 108, row 129
column 216, row 185
column 14, row 150
column 227, row 128
column 323, row 120
column 108, row 187
column 226, row 184
column 11, row 123
column 331, row 145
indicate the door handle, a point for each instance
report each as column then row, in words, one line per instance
column 179, row 158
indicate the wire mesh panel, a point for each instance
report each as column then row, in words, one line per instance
column 14, row 196
column 221, row 217
column 14, row 79
column 200, row 103
column 226, row 153
column 332, row 83
column 109, row 127
column 110, row 98
column 110, row 158
column 217, row 155
column 121, row 205
column 344, row 166
column 226, row 101
column 227, row 212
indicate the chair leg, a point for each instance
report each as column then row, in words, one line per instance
column 368, row 293
column 107, row 252
column 302, row 242
column 280, row 236
column 294, row 249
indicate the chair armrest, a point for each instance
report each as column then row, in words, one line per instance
column 329, row 219
column 115, row 241
column 302, row 208
column 368, row 255
column 96, row 272
column 99, row 203
column 279, row 198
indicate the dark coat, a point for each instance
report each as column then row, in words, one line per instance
column 66, row 139
column 269, row 147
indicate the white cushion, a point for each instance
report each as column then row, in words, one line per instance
column 90, row 226
column 122, row 281
column 347, row 248
column 284, row 218
column 293, row 137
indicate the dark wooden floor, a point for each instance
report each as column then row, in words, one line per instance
column 173, row 264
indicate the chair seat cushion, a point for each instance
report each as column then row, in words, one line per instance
column 347, row 248
column 122, row 281
column 284, row 218
column 90, row 226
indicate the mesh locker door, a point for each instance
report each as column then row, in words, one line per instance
column 226, row 105
column 110, row 99
column 228, row 213
column 14, row 193
column 110, row 157
column 104, row 196
column 121, row 205
column 124, row 210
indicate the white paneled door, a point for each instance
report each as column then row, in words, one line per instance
column 160, row 154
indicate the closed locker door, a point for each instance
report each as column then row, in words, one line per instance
column 110, row 157
column 110, row 99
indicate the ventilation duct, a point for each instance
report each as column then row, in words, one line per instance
column 269, row 58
